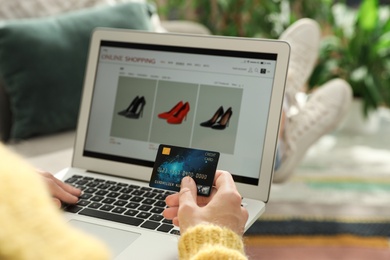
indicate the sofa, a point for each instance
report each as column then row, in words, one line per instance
column 43, row 50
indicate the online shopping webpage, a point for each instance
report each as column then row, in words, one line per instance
column 143, row 98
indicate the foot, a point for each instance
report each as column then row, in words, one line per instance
column 324, row 110
column 304, row 39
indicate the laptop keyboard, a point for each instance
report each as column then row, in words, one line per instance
column 120, row 202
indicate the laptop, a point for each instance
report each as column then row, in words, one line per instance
column 231, row 90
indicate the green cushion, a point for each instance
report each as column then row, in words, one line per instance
column 42, row 63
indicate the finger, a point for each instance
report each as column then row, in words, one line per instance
column 244, row 219
column 227, row 192
column 175, row 221
column 203, row 201
column 170, row 213
column 224, row 180
column 64, row 196
column 172, row 200
column 57, row 202
column 59, row 193
column 68, row 188
column 245, row 213
column 188, row 191
column 217, row 174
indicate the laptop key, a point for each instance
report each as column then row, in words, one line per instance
column 145, row 207
column 115, row 188
column 90, row 190
column 95, row 205
column 165, row 228
column 150, row 194
column 71, row 180
column 103, row 186
column 73, row 208
column 81, row 187
column 85, row 196
column 119, row 210
column 126, row 190
column 120, row 203
column 150, row 225
column 144, row 215
column 149, row 201
column 136, row 199
column 113, row 217
column 108, row 201
column 137, row 192
column 131, row 212
column 167, row 221
column 157, row 210
column 97, row 198
column 106, row 207
column 101, row 192
column 158, row 191
column 156, row 217
column 93, row 184
column 175, row 232
column 83, row 203
column 81, row 182
column 113, row 194
column 160, row 203
column 161, row 197
column 124, row 197
column 132, row 205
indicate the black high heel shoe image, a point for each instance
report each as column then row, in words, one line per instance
column 137, row 109
column 214, row 119
column 224, row 121
column 124, row 112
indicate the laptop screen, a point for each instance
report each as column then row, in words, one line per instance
column 148, row 94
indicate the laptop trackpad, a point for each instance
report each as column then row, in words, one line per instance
column 117, row 240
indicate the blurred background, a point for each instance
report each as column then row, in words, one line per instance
column 337, row 203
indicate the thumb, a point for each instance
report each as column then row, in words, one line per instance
column 188, row 192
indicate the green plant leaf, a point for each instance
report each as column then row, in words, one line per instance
column 368, row 15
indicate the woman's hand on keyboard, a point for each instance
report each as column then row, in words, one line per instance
column 61, row 192
column 222, row 208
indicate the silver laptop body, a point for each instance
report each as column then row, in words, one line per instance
column 157, row 71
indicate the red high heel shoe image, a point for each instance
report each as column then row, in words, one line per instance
column 181, row 114
column 171, row 112
column 214, row 119
column 137, row 109
column 224, row 121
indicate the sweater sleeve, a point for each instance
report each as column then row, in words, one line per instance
column 31, row 225
column 210, row 242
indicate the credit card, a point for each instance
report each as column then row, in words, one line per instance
column 173, row 163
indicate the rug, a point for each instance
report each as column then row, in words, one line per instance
column 323, row 227
column 300, row 238
column 339, row 247
column 335, row 206
column 332, row 217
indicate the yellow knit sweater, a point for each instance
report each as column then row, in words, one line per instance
column 31, row 227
